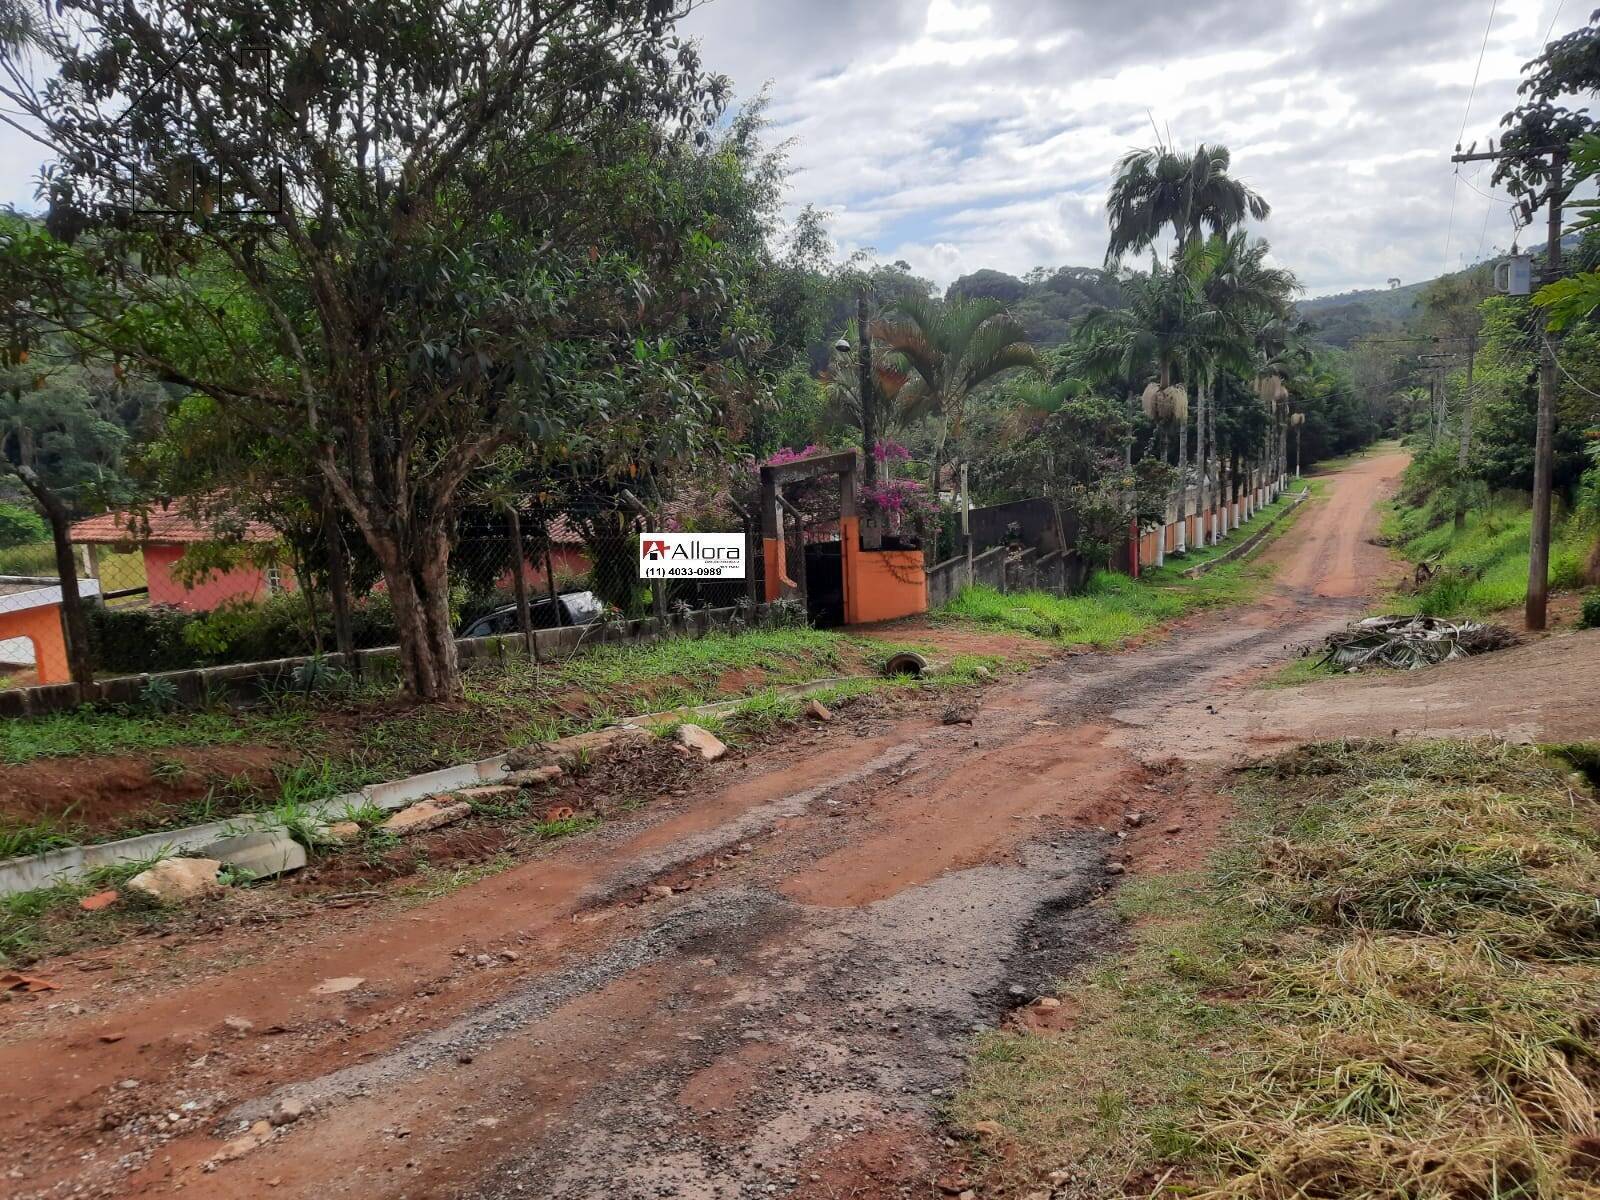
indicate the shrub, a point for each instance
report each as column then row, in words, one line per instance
column 21, row 527
column 133, row 641
column 1589, row 615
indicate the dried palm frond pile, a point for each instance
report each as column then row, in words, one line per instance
column 1406, row 643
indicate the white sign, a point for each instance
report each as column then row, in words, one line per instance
column 691, row 556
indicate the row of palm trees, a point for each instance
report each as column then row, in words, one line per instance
column 1214, row 305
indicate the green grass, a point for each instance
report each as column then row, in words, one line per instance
column 1113, row 607
column 1307, row 669
column 33, row 923
column 515, row 703
column 1483, row 568
column 1382, row 986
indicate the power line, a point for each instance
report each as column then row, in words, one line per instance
column 1560, row 4
column 1472, row 92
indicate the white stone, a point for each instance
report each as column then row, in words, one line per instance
column 177, row 880
column 709, row 746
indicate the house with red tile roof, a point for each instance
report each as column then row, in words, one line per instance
column 161, row 535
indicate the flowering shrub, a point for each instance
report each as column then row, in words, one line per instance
column 899, row 501
column 890, row 452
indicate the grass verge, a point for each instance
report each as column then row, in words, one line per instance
column 1112, row 607
column 1384, row 987
column 1482, row 568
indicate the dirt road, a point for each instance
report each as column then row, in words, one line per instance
column 846, row 910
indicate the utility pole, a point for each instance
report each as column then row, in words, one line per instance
column 1535, row 610
column 1464, row 436
column 1534, row 613
column 869, row 416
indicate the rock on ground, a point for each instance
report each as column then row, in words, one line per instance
column 423, row 816
column 709, row 745
column 177, row 880
column 340, row 833
column 818, row 711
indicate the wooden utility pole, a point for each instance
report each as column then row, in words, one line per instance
column 1535, row 610
column 1534, row 613
column 869, row 416
column 1464, row 436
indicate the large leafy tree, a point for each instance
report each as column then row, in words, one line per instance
column 1160, row 187
column 397, row 237
column 950, row 349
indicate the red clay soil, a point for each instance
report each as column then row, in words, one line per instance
column 106, row 794
column 849, row 904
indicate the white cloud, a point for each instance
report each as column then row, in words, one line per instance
column 959, row 135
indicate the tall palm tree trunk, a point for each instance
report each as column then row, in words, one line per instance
column 1183, row 484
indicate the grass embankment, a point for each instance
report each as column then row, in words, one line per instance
column 1112, row 607
column 671, row 674
column 1384, row 987
column 324, row 745
column 1482, row 568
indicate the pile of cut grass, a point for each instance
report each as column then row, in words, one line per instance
column 1385, row 987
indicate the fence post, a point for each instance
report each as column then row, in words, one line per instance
column 519, row 576
column 550, row 582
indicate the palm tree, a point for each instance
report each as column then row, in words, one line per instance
column 1159, row 186
column 1236, row 282
column 1282, row 353
column 843, row 382
column 1149, row 345
column 950, row 349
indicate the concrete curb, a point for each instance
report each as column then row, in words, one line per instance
column 32, row 871
column 1249, row 544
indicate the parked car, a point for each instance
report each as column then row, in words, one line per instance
column 576, row 608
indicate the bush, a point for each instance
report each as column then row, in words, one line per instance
column 1589, row 615
column 133, row 641
column 21, row 527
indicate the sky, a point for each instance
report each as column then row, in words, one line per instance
column 960, row 134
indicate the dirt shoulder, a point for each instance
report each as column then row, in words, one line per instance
column 849, row 902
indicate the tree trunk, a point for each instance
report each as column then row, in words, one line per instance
column 1183, row 484
column 938, row 456
column 338, row 577
column 417, row 576
column 74, row 626
column 1201, row 450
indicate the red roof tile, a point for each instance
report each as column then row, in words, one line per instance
column 167, row 526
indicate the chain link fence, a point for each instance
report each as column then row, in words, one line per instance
column 164, row 591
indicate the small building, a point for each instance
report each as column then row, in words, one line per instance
column 161, row 536
column 32, row 641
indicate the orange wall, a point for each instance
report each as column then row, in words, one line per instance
column 880, row 585
column 42, row 626
column 242, row 583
